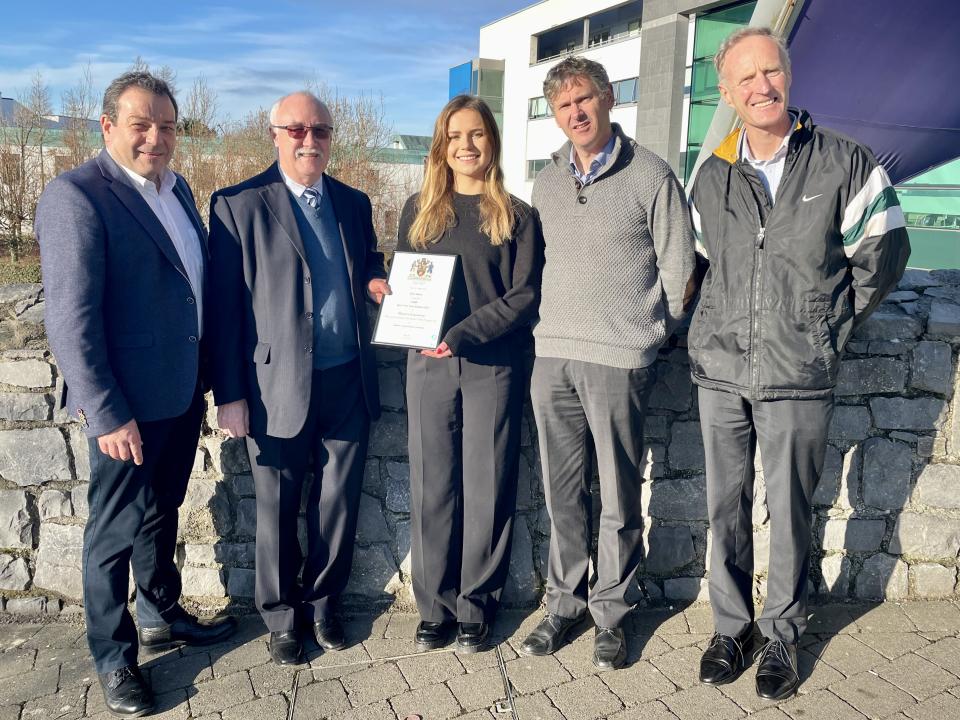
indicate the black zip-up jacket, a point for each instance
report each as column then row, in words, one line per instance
column 789, row 282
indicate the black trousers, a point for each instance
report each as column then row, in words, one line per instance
column 335, row 434
column 792, row 437
column 464, row 440
column 132, row 522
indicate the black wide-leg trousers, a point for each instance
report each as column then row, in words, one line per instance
column 464, row 441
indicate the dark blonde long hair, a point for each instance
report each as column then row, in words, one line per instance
column 435, row 205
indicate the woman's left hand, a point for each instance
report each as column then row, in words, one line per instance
column 442, row 351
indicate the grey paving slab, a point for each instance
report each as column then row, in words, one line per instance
column 584, row 699
column 270, row 678
column 700, row 619
column 435, row 702
column 933, row 615
column 529, row 674
column 377, row 711
column 14, row 634
column 651, row 711
column 577, row 656
column 185, row 672
column 379, row 648
column 379, row 682
column 702, row 703
column 476, row 690
column 221, row 694
column 69, row 704
column 814, row 674
column 771, row 713
column 10, row 712
column 268, row 708
column 401, row 626
column 917, row 676
column 430, row 668
column 484, row 660
column 638, row 683
column 940, row 706
column 240, row 657
column 832, row 619
column 886, row 618
column 681, row 667
column 820, row 704
column 743, row 691
column 28, row 686
column 169, row 706
column 872, row 695
column 320, row 700
column 54, row 635
column 844, row 653
column 892, row 644
column 537, row 706
column 678, row 640
column 479, row 715
column 945, row 653
column 16, row 662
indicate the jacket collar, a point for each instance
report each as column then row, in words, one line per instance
column 728, row 150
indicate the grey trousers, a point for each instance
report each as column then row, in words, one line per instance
column 573, row 400
column 792, row 435
column 464, row 440
column 335, row 435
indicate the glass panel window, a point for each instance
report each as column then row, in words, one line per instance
column 625, row 91
column 931, row 207
column 539, row 108
column 535, row 166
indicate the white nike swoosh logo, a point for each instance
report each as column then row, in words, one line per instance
column 812, row 197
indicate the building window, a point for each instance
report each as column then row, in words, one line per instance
column 619, row 23
column 625, row 91
column 535, row 166
column 539, row 108
column 931, row 207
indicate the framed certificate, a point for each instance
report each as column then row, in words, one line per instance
column 412, row 316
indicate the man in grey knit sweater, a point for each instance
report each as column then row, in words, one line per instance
column 619, row 255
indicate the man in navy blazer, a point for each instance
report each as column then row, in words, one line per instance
column 124, row 270
column 295, row 258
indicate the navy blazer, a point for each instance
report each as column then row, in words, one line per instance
column 121, row 315
column 260, row 314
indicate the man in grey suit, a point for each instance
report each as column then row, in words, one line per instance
column 292, row 368
column 124, row 271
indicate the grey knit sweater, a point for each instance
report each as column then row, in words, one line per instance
column 619, row 252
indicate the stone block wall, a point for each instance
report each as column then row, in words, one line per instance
column 887, row 511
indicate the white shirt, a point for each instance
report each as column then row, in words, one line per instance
column 296, row 188
column 173, row 216
column 770, row 171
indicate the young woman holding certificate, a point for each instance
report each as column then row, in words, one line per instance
column 465, row 397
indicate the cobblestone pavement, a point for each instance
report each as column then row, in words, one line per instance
column 885, row 661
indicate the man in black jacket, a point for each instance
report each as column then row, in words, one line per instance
column 805, row 238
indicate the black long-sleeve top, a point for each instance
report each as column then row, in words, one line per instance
column 496, row 288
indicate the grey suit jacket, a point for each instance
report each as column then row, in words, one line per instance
column 261, row 304
column 121, row 315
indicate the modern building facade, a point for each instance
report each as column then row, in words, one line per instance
column 659, row 56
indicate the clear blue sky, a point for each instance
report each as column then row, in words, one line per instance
column 253, row 51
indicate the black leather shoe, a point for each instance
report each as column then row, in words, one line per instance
column 126, row 693
column 285, row 647
column 328, row 633
column 777, row 676
column 547, row 637
column 609, row 648
column 187, row 630
column 472, row 637
column 725, row 657
column 432, row 635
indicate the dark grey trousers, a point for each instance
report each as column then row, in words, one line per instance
column 464, row 439
column 335, row 434
column 573, row 400
column 792, row 435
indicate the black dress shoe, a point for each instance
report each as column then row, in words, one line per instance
column 328, row 633
column 609, row 648
column 125, row 692
column 432, row 635
column 187, row 630
column 725, row 657
column 472, row 637
column 285, row 647
column 548, row 636
column 777, row 676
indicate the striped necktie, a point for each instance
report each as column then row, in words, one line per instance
column 312, row 197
